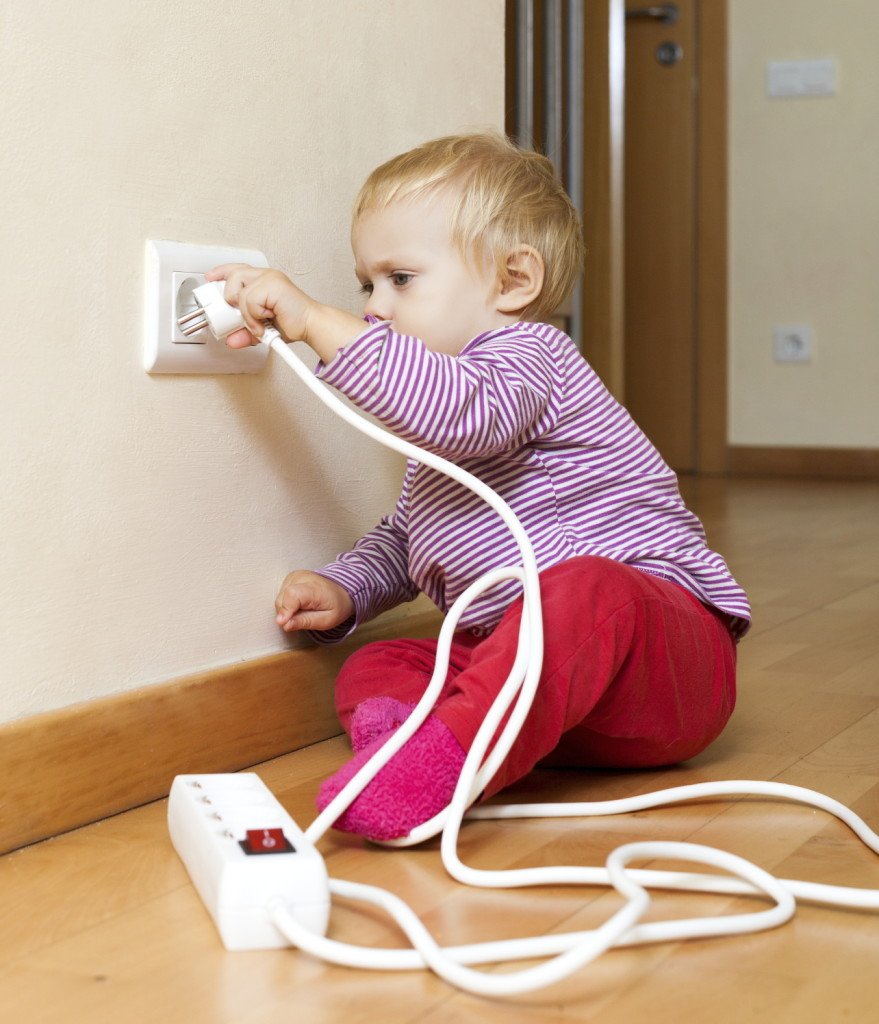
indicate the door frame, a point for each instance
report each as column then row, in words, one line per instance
column 712, row 239
column 602, row 295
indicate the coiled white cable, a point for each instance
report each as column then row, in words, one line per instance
column 570, row 951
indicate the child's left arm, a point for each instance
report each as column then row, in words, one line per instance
column 499, row 395
column 263, row 295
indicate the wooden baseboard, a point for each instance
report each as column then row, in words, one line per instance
column 812, row 463
column 67, row 768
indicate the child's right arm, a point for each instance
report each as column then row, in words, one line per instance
column 307, row 600
column 356, row 586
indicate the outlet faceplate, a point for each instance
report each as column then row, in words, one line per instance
column 172, row 270
column 792, row 343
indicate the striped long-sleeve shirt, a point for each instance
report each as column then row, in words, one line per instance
column 522, row 410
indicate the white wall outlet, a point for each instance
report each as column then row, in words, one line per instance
column 792, row 343
column 173, row 270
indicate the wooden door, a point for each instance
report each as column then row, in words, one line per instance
column 660, row 251
column 674, row 210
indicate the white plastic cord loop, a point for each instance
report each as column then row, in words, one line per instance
column 569, row 951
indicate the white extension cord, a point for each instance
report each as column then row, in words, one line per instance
column 304, row 927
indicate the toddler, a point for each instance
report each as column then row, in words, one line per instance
column 463, row 247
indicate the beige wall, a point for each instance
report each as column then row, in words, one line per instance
column 146, row 521
column 804, row 205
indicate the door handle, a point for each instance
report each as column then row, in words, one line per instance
column 667, row 14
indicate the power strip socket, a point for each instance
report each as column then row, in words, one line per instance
column 242, row 849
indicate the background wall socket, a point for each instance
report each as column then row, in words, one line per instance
column 792, row 343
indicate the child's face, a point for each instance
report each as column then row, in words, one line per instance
column 414, row 276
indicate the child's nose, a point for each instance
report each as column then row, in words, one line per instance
column 377, row 307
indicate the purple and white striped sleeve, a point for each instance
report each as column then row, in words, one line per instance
column 375, row 572
column 493, row 397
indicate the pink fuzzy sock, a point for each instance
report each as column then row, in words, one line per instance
column 413, row 786
column 374, row 717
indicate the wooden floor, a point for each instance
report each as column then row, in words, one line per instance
column 102, row 925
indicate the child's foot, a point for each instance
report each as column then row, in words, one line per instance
column 417, row 783
column 375, row 717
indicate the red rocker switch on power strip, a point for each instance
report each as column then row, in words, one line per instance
column 266, row 840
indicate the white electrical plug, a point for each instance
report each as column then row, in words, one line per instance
column 212, row 312
column 244, row 852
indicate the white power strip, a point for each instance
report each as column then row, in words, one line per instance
column 242, row 850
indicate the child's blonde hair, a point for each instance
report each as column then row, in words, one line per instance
column 507, row 196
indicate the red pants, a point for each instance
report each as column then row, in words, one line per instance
column 636, row 673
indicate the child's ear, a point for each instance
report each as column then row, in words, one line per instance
column 521, row 280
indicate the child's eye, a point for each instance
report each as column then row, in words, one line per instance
column 366, row 288
column 400, row 280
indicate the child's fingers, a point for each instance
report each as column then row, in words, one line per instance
column 236, row 277
column 307, row 601
column 286, row 614
column 256, row 293
column 224, row 271
column 291, row 623
column 311, row 620
column 241, row 339
column 294, row 598
column 255, row 306
column 287, row 605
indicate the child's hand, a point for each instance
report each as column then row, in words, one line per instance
column 270, row 295
column 262, row 295
column 309, row 601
